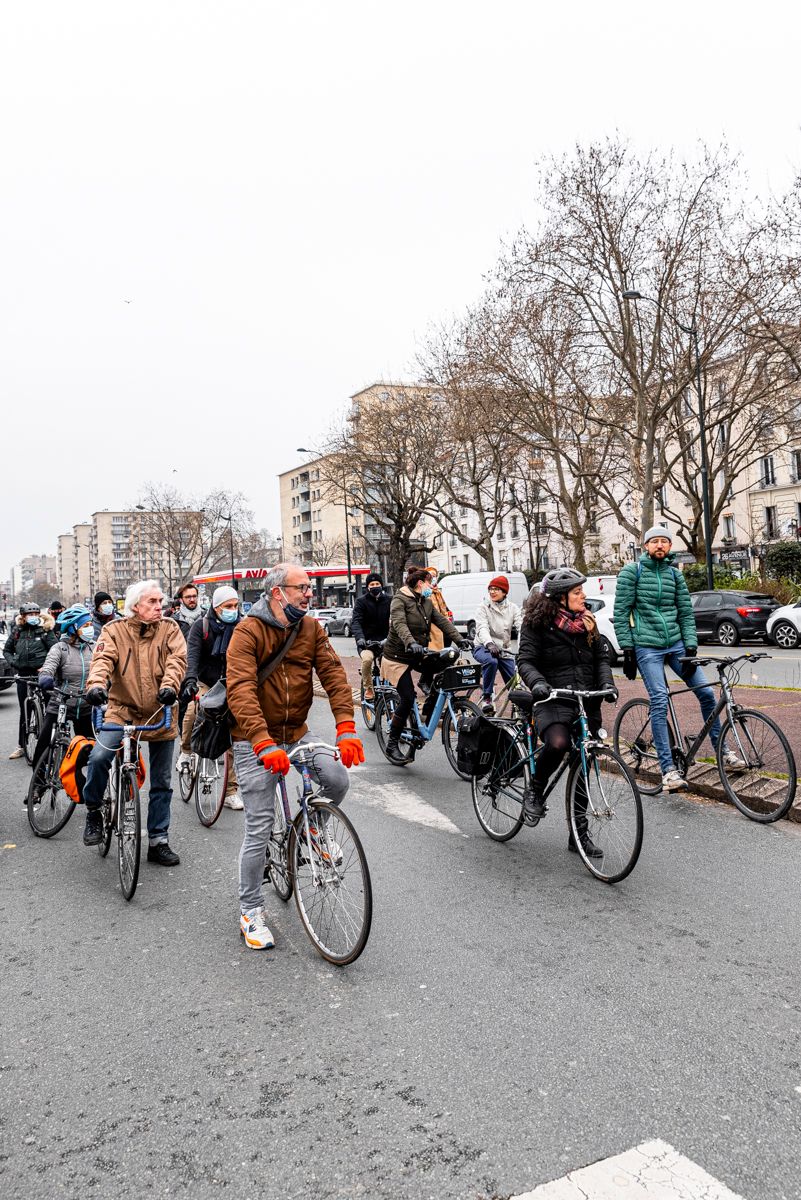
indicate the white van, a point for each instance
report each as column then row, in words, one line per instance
column 463, row 594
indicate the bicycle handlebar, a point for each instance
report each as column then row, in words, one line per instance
column 722, row 663
column 97, row 722
column 297, row 750
column 572, row 693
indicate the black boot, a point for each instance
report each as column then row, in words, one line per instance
column 93, row 830
column 588, row 845
column 392, row 751
column 534, row 807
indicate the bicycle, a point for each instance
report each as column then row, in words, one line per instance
column 120, row 808
column 207, row 779
column 33, row 715
column 318, row 856
column 49, row 806
column 368, row 706
column 453, row 709
column 601, row 796
column 762, row 789
column 502, row 700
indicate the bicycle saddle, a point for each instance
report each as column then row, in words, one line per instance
column 522, row 699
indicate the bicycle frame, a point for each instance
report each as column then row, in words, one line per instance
column 427, row 731
column 307, row 792
column 726, row 703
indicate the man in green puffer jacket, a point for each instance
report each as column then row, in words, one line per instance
column 655, row 626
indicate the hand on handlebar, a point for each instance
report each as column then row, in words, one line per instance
column 612, row 696
column 416, row 648
column 46, row 682
column 166, row 695
column 540, row 691
column 97, row 696
column 272, row 758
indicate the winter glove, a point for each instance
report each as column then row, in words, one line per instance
column 167, row 695
column 690, row 651
column 540, row 691
column 630, row 662
column 361, row 645
column 188, row 689
column 416, row 648
column 494, row 649
column 46, row 682
column 466, row 644
column 351, row 750
column 97, row 696
column 272, row 758
column 612, row 696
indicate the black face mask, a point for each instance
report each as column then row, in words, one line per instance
column 375, row 592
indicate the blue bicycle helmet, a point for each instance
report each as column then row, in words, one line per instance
column 71, row 620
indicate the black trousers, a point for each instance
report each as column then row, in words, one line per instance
column 429, row 667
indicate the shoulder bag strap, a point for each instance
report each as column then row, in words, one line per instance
column 275, row 659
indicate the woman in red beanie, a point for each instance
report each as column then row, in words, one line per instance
column 496, row 617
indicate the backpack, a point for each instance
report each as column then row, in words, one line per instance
column 477, row 746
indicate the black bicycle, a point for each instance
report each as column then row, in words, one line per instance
column 602, row 801
column 368, row 706
column 33, row 709
column 753, row 757
column 49, row 805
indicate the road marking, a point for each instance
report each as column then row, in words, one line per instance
column 651, row 1171
column 10, row 846
column 398, row 801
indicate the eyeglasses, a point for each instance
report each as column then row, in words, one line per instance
column 301, row 587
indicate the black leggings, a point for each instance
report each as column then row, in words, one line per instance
column 405, row 689
column 555, row 741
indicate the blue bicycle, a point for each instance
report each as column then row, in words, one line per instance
column 454, row 709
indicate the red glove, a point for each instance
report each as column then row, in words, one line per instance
column 351, row 750
column 272, row 758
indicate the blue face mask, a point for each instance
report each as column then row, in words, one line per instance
column 34, row 620
column 228, row 615
column 426, row 591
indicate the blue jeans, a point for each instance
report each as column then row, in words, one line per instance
column 490, row 667
column 257, row 787
column 160, row 773
column 651, row 661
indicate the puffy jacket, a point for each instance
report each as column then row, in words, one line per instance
column 495, row 622
column 134, row 660
column 410, row 619
column 550, row 655
column 279, row 708
column 68, row 662
column 201, row 662
column 27, row 645
column 659, row 603
column 370, row 621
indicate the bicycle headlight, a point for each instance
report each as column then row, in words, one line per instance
column 602, row 734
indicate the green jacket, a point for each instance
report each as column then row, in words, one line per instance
column 658, row 602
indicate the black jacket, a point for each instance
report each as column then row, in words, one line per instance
column 201, row 661
column 549, row 655
column 370, row 621
column 27, row 645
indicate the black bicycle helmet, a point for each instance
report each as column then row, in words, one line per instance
column 561, row 580
column 29, row 609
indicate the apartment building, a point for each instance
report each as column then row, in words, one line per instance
column 34, row 568
column 125, row 546
column 74, row 564
column 316, row 526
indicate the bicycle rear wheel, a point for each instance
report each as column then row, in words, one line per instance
column 211, row 780
column 129, row 833
column 277, row 850
column 384, row 712
column 49, row 806
column 634, row 742
column 608, row 814
column 764, row 789
column 368, row 710
column 331, row 882
column 187, row 776
column 498, row 796
column 463, row 710
column 33, row 727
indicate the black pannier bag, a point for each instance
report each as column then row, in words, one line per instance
column 211, row 732
column 477, row 746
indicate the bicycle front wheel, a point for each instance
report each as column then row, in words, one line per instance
column 33, row 727
column 463, row 710
column 368, row 710
column 129, row 833
column 49, row 806
column 634, row 742
column 498, row 796
column 211, row 780
column 277, row 850
column 764, row 787
column 331, row 883
column 605, row 814
column 187, row 776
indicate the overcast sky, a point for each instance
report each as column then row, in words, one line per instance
column 288, row 194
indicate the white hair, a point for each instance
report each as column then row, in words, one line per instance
column 135, row 593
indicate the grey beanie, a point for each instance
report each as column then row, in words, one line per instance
column 657, row 531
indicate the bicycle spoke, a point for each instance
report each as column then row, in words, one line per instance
column 332, row 885
column 605, row 810
column 762, row 788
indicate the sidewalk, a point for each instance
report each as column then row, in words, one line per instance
column 784, row 706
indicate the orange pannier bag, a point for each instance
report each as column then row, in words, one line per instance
column 73, row 768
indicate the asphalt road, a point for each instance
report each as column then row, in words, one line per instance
column 510, row 1019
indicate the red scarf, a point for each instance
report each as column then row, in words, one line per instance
column 572, row 623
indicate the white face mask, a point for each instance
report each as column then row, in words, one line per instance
column 106, row 609
column 86, row 633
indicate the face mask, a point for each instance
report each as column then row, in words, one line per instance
column 292, row 613
column 34, row 620
column 375, row 591
column 87, row 633
column 228, row 615
column 426, row 591
column 106, row 609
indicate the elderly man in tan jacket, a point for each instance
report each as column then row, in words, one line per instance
column 137, row 667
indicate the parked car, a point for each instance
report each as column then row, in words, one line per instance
column 336, row 620
column 602, row 609
column 784, row 626
column 727, row 617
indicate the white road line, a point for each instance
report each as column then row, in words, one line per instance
column 651, row 1171
column 398, row 801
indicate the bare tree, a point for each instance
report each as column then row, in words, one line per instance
column 194, row 532
column 327, row 551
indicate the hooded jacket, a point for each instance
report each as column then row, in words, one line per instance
column 370, row 622
column 653, row 606
column 27, row 645
column 134, row 660
column 278, row 709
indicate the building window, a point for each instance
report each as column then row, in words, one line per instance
column 504, row 562
column 771, row 522
column 767, row 471
column 540, row 522
column 515, row 528
column 661, row 495
column 501, row 534
column 467, row 562
column 593, row 522
column 795, row 465
column 728, row 528
column 452, row 540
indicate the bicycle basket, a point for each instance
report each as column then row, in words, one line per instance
column 453, row 678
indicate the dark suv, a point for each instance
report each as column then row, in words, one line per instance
column 729, row 616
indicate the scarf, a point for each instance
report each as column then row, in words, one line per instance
column 190, row 615
column 574, row 623
column 220, row 632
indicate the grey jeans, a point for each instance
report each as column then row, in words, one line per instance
column 258, row 790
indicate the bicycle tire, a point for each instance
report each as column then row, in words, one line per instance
column 278, row 850
column 108, row 811
column 368, row 708
column 613, row 816
column 633, row 740
column 129, row 834
column 770, row 787
column 384, row 711
column 211, row 780
column 49, row 806
column 333, row 892
column 450, row 731
column 34, row 718
column 187, row 777
column 498, row 795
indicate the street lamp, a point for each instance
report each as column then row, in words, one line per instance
column 230, row 520
column 692, row 332
column 303, row 450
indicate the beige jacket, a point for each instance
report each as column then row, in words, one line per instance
column 133, row 661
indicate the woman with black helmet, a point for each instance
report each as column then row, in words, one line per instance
column 560, row 648
column 26, row 650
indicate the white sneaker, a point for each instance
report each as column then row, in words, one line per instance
column 184, row 760
column 255, row 930
column 673, row 782
column 733, row 762
column 233, row 801
column 18, row 753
